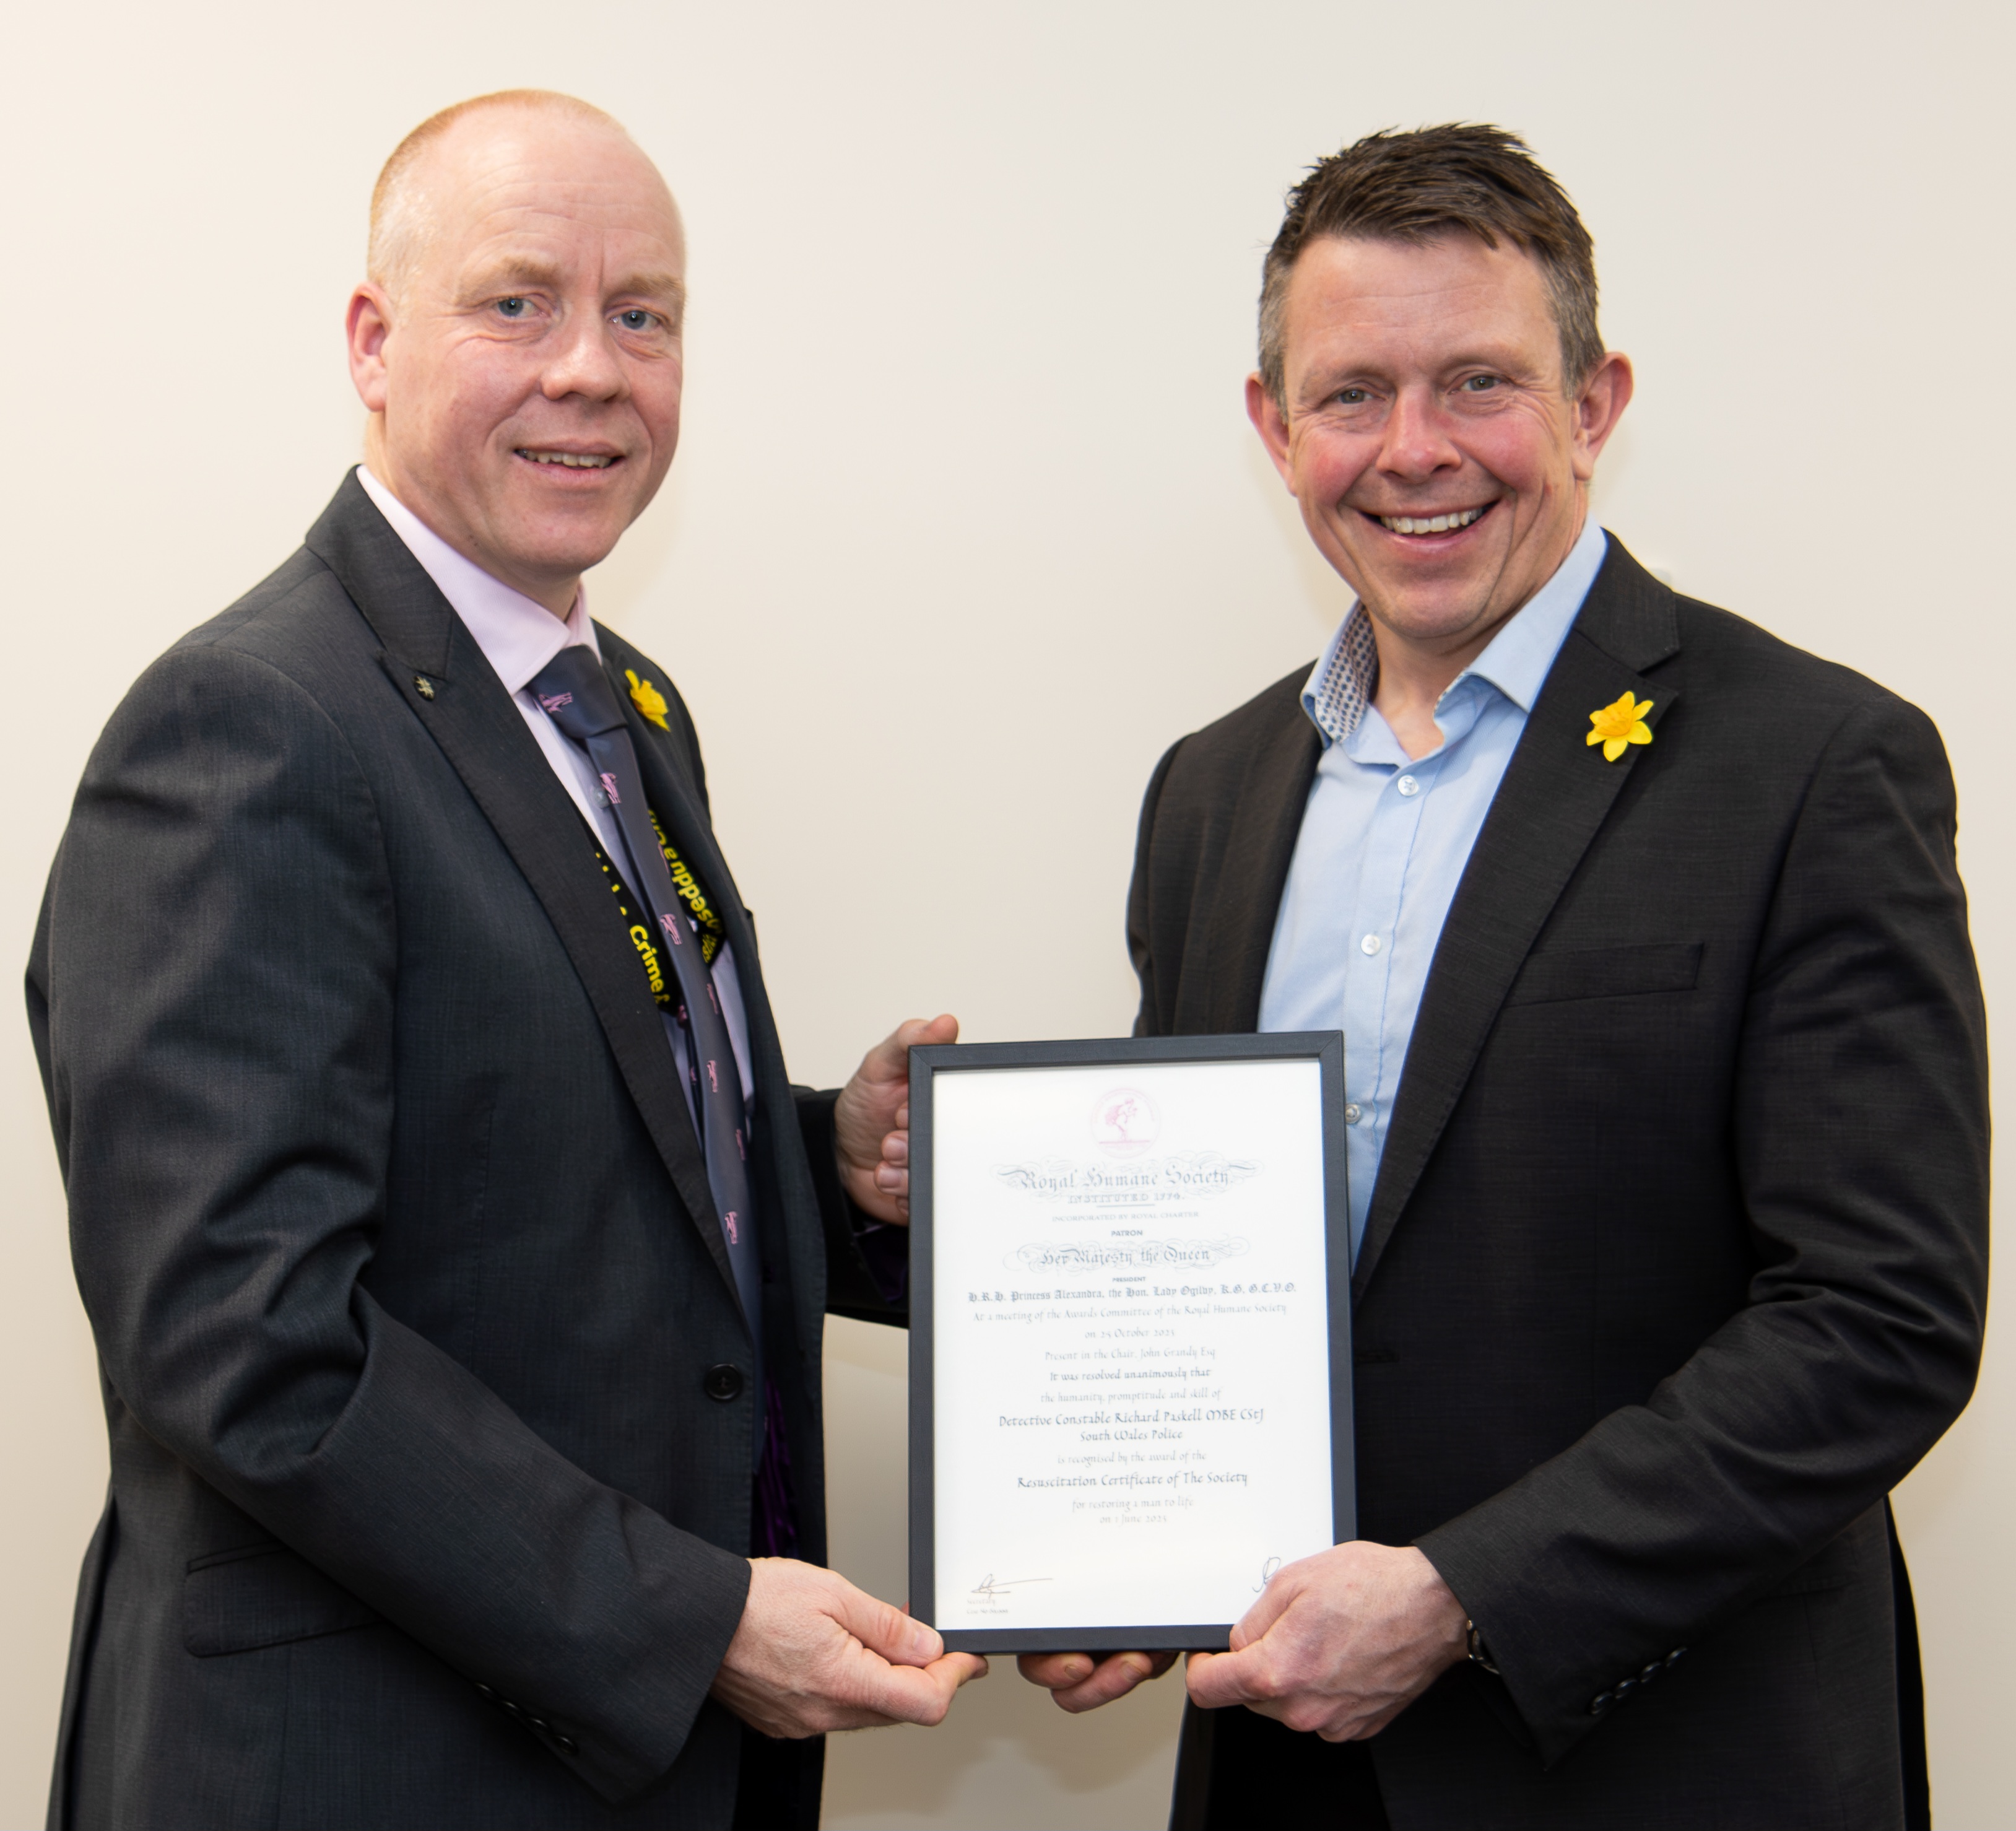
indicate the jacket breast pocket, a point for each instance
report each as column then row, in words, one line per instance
column 261, row 1595
column 1607, row 972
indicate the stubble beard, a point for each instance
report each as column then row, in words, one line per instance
column 1448, row 626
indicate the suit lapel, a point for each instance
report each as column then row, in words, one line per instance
column 1555, row 794
column 676, row 799
column 1265, row 821
column 675, row 796
column 480, row 731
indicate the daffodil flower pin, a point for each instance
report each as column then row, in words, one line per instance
column 649, row 701
column 1618, row 724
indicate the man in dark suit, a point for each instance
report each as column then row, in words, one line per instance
column 1666, row 1065
column 456, row 1244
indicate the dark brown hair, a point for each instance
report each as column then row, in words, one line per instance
column 1458, row 179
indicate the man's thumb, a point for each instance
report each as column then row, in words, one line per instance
column 888, row 1631
column 944, row 1028
column 1213, row 1680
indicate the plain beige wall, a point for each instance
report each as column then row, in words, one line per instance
column 968, row 526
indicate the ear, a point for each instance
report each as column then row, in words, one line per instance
column 367, row 323
column 1271, row 425
column 1597, row 409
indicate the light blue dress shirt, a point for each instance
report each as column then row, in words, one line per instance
column 1384, row 842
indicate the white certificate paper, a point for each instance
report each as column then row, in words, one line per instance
column 1131, row 1361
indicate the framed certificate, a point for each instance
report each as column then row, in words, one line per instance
column 1130, row 1335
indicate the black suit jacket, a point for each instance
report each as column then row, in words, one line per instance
column 1676, row 1260
column 398, row 1247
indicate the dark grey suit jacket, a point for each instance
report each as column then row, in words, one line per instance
column 398, row 1246
column 1676, row 1260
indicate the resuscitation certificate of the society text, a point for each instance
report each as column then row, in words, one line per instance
column 1133, row 1293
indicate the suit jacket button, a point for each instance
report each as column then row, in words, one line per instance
column 1675, row 1657
column 1625, row 1687
column 567, row 1742
column 1600, row 1702
column 722, row 1383
column 1649, row 1673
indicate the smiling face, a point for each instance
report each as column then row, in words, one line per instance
column 1440, row 465
column 524, row 384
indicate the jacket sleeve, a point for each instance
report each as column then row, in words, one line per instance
column 1860, row 1123
column 1141, row 901
column 220, row 967
column 867, row 1261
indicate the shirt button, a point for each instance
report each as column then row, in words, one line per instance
column 1371, row 944
column 1408, row 785
column 1352, row 1114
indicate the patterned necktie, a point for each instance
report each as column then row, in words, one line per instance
column 579, row 699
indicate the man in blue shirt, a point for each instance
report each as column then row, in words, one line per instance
column 1385, row 836
column 1665, row 1062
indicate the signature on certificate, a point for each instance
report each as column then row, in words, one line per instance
column 1267, row 1574
column 991, row 1586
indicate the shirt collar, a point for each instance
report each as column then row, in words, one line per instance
column 517, row 637
column 1516, row 661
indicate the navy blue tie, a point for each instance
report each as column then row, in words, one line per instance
column 579, row 699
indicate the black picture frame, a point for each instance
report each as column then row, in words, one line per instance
column 1325, row 1047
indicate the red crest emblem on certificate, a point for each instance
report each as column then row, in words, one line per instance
column 1124, row 1122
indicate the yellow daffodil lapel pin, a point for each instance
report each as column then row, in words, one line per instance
column 649, row 701
column 1618, row 724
